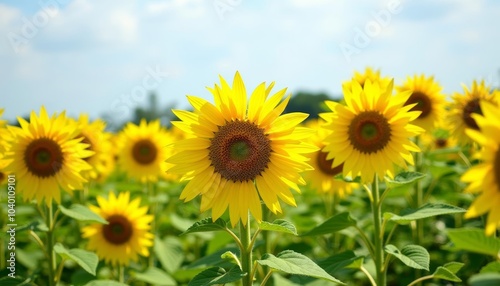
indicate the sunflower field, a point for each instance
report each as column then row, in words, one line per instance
column 393, row 184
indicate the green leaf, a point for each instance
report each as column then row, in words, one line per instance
column 474, row 240
column 105, row 283
column 403, row 178
column 216, row 276
column 82, row 213
column 279, row 225
column 491, row 267
column 333, row 224
column 231, row 257
column 86, row 259
column 9, row 281
column 206, row 225
column 292, row 262
column 414, row 256
column 485, row 279
column 155, row 276
column 448, row 271
column 169, row 252
column 425, row 211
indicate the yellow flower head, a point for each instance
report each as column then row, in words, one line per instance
column 98, row 141
column 372, row 131
column 5, row 136
column 322, row 178
column 239, row 151
column 464, row 106
column 45, row 157
column 485, row 177
column 143, row 151
column 126, row 236
column 426, row 94
column 371, row 75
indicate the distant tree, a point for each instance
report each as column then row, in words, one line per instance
column 153, row 112
column 308, row 102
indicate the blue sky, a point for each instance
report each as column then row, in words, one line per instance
column 102, row 56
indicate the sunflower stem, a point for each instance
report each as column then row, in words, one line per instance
column 378, row 236
column 50, row 245
column 121, row 274
column 419, row 201
column 246, row 252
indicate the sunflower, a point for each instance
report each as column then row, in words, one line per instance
column 98, row 141
column 485, row 177
column 464, row 106
column 371, row 132
column 371, row 75
column 426, row 94
column 3, row 173
column 143, row 151
column 126, row 236
column 322, row 178
column 238, row 150
column 5, row 136
column 45, row 157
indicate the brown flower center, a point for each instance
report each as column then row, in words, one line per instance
column 496, row 168
column 441, row 142
column 2, row 176
column 43, row 157
column 325, row 165
column 118, row 230
column 369, row 132
column 86, row 140
column 470, row 108
column 423, row 102
column 240, row 151
column 144, row 152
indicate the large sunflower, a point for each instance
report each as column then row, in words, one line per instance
column 322, row 178
column 98, row 141
column 126, row 236
column 45, row 157
column 241, row 149
column 372, row 131
column 485, row 177
column 371, row 75
column 143, row 151
column 426, row 94
column 464, row 106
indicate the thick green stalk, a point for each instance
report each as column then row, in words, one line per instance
column 378, row 237
column 50, row 246
column 246, row 252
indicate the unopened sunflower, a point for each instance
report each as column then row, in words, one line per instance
column 46, row 158
column 464, row 106
column 428, row 99
column 484, row 179
column 371, row 132
column 239, row 151
column 143, row 150
column 127, row 234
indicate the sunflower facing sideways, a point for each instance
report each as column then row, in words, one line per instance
column 426, row 94
column 485, row 177
column 322, row 178
column 464, row 106
column 126, row 236
column 240, row 151
column 98, row 141
column 371, row 132
column 45, row 157
column 143, row 151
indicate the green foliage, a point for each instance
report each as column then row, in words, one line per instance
column 414, row 256
column 86, row 259
column 216, row 276
column 333, row 224
column 474, row 240
column 279, row 225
